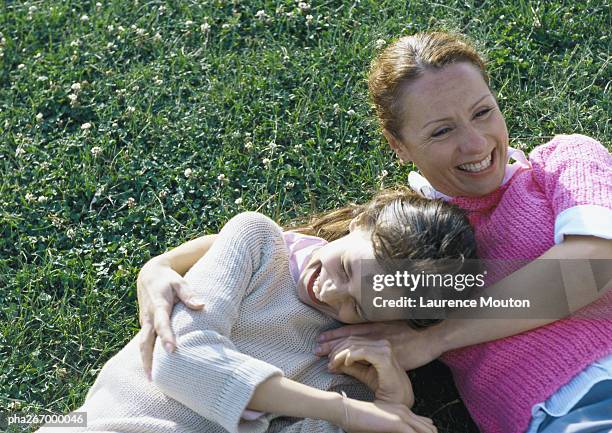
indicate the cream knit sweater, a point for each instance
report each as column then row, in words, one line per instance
column 253, row 327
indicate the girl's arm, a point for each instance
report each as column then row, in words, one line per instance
column 415, row 348
column 160, row 285
column 208, row 374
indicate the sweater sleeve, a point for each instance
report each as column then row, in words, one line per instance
column 575, row 173
column 206, row 373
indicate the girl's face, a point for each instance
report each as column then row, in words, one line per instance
column 331, row 280
column 453, row 131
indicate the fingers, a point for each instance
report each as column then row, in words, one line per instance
column 376, row 352
column 147, row 342
column 187, row 295
column 162, row 327
column 345, row 331
column 324, row 349
column 420, row 424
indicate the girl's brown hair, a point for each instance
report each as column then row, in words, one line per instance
column 404, row 61
column 429, row 235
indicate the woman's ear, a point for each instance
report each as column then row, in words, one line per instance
column 398, row 147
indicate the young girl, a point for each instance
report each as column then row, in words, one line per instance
column 252, row 347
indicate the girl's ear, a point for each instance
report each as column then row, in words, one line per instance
column 356, row 222
column 400, row 149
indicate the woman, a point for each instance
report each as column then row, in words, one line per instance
column 268, row 295
column 436, row 109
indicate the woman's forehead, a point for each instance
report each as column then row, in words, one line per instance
column 438, row 92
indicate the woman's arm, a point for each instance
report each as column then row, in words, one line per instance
column 415, row 348
column 160, row 285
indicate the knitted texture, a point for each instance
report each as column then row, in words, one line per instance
column 253, row 327
column 501, row 380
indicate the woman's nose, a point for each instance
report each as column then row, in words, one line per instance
column 473, row 141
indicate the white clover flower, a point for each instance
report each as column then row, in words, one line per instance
column 261, row 14
column 157, row 37
column 350, row 112
column 32, row 9
column 188, row 23
column 121, row 28
column 98, row 4
column 309, row 18
column 75, row 43
column 39, row 117
column 163, row 193
column 30, row 197
column 76, row 87
column 110, row 27
column 188, row 172
column 72, row 98
column 289, row 185
column 131, row 109
column 221, row 177
column 238, row 200
column 336, row 108
column 205, row 27
column 248, row 145
column 266, row 162
column 84, row 18
column 20, row 66
column 298, row 146
column 380, row 43
column 96, row 151
column 225, row 26
column 70, row 233
column 140, row 32
column 86, row 126
column 135, row 88
column 110, row 46
column 131, row 202
column 289, row 14
column 384, row 174
column 304, row 6
column 43, row 199
column 158, row 81
column 19, row 151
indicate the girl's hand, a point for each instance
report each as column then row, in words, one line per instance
column 373, row 363
column 376, row 417
column 159, row 288
column 412, row 348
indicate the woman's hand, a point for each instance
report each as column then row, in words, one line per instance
column 159, row 288
column 373, row 363
column 379, row 416
column 412, row 348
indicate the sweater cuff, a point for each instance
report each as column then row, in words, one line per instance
column 237, row 393
column 586, row 220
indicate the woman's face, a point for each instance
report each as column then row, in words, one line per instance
column 331, row 280
column 453, row 131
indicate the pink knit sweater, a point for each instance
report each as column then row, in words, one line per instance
column 501, row 380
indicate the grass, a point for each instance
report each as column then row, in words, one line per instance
column 128, row 127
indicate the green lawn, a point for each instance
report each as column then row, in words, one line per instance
column 128, row 127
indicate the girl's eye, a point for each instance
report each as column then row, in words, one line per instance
column 482, row 113
column 440, row 132
column 357, row 309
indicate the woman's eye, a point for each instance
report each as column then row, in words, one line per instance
column 481, row 113
column 440, row 132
